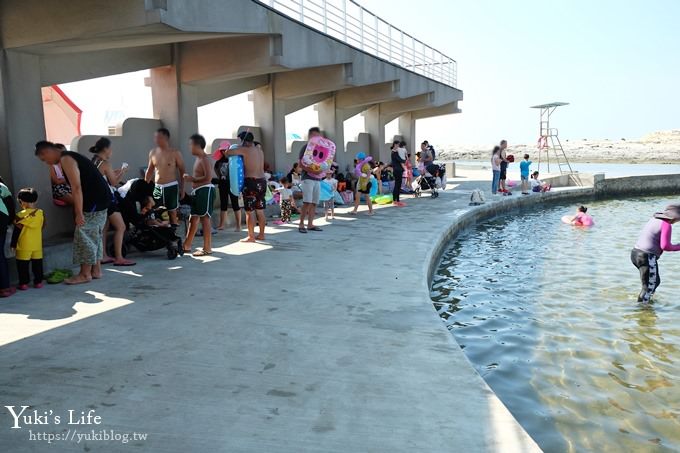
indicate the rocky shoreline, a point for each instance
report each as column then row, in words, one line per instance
column 658, row 147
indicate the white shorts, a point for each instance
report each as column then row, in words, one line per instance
column 311, row 190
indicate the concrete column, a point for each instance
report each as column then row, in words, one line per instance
column 375, row 126
column 331, row 123
column 407, row 129
column 24, row 125
column 270, row 117
column 175, row 104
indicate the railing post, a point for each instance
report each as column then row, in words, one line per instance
column 302, row 11
column 344, row 19
column 401, row 33
column 325, row 16
column 389, row 39
column 361, row 26
column 377, row 36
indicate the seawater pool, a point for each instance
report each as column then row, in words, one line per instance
column 547, row 314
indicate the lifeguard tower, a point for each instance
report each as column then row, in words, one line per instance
column 549, row 145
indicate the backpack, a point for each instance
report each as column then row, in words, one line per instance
column 477, row 198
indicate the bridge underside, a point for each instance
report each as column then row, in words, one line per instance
column 198, row 53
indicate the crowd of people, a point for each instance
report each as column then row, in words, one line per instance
column 93, row 188
column 500, row 160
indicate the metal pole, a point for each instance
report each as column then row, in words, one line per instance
column 325, row 16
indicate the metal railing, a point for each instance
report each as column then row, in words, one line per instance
column 351, row 23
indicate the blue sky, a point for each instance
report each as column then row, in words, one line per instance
column 616, row 62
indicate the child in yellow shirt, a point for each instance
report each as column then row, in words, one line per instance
column 29, row 245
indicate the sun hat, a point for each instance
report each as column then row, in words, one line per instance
column 672, row 212
column 224, row 145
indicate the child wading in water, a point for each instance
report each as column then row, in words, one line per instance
column 30, row 221
column 581, row 218
column 203, row 197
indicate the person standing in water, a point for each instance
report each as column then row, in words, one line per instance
column 654, row 239
column 168, row 166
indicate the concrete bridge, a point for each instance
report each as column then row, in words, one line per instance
column 290, row 54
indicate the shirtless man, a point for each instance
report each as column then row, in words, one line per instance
column 203, row 196
column 255, row 186
column 168, row 165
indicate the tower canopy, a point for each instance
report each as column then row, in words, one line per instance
column 547, row 106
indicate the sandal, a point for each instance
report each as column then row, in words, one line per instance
column 201, row 252
column 124, row 263
column 108, row 261
column 302, row 230
column 314, row 228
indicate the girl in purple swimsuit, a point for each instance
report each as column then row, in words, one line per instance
column 654, row 239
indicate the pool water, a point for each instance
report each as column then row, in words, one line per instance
column 548, row 315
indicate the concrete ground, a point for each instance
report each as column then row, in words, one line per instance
column 325, row 342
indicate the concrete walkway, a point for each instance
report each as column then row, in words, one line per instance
column 325, row 342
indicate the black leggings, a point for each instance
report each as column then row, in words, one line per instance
column 647, row 264
column 226, row 196
column 4, row 268
column 25, row 276
column 398, row 179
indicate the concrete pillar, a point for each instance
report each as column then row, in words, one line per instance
column 270, row 117
column 375, row 126
column 331, row 123
column 407, row 129
column 175, row 104
column 24, row 125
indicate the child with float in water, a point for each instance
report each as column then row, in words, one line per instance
column 581, row 218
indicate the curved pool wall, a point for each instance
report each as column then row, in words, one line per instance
column 600, row 188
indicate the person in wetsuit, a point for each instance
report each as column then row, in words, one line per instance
column 654, row 239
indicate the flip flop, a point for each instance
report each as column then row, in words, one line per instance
column 201, row 253
column 316, row 228
column 108, row 261
column 124, row 263
column 302, row 230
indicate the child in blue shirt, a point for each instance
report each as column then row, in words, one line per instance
column 524, row 173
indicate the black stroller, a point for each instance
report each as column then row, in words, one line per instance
column 139, row 235
column 428, row 181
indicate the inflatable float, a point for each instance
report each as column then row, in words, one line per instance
column 325, row 191
column 236, row 175
column 383, row 199
column 318, row 156
column 586, row 221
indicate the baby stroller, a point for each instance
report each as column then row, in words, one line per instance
column 432, row 179
column 139, row 235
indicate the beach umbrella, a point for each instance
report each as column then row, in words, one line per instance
column 62, row 115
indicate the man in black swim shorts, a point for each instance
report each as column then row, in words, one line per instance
column 255, row 184
column 254, row 191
